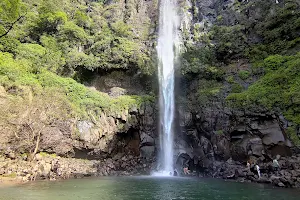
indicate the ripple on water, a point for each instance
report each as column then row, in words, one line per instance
column 148, row 188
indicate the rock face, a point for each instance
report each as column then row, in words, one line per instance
column 128, row 133
column 286, row 175
column 46, row 166
column 212, row 137
column 119, row 83
column 131, row 133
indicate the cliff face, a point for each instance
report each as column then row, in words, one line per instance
column 225, row 107
column 108, row 114
column 230, row 104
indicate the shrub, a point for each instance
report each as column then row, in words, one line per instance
column 208, row 90
column 292, row 133
column 75, row 97
column 236, row 88
column 244, row 74
column 278, row 89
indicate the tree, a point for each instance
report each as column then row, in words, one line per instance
column 10, row 14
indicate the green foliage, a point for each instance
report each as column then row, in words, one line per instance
column 74, row 34
column 8, row 44
column 10, row 11
column 116, row 48
column 230, row 40
column 76, row 59
column 236, row 88
column 230, row 79
column 53, row 58
column 219, row 132
column 67, row 37
column 275, row 30
column 70, row 31
column 33, row 52
column 244, row 74
column 82, row 19
column 49, row 22
column 196, row 60
column 292, row 133
column 121, row 29
column 277, row 89
column 15, row 72
column 208, row 90
column 257, row 52
column 200, row 61
column 39, row 56
column 46, row 6
column 281, row 24
column 279, row 30
column 76, row 98
column 274, row 62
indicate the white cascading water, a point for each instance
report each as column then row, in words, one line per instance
column 168, row 41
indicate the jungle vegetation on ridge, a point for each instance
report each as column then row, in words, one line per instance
column 43, row 40
column 264, row 34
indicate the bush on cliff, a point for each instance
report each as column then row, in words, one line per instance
column 70, row 36
column 278, row 89
column 78, row 99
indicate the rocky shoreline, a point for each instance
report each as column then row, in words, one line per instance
column 286, row 175
column 51, row 167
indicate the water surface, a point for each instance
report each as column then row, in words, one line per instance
column 133, row 188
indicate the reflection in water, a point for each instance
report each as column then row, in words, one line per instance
column 131, row 188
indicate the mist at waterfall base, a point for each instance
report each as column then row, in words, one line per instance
column 166, row 49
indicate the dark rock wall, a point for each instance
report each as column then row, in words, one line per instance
column 208, row 129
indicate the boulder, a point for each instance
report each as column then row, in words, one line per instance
column 271, row 133
column 221, row 146
column 256, row 146
column 117, row 91
column 85, row 130
column 146, row 139
column 53, row 140
column 185, row 117
column 147, row 151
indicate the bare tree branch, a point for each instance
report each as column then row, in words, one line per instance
column 11, row 26
column 37, row 142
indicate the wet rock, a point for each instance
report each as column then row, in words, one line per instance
column 54, row 140
column 207, row 147
column 185, row 117
column 146, row 139
column 117, row 91
column 271, row 133
column 264, row 180
column 280, row 184
column 44, row 169
column 147, row 151
column 256, row 146
column 221, row 146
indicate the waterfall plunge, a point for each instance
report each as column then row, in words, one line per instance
column 168, row 41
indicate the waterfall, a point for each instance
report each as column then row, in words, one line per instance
column 258, row 170
column 168, row 40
